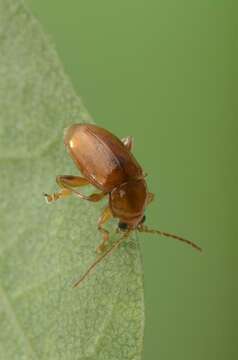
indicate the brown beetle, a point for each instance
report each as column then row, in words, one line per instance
column 107, row 163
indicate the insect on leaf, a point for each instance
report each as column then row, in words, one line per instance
column 45, row 248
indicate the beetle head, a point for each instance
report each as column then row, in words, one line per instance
column 124, row 226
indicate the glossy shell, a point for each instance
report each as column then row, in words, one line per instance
column 128, row 201
column 100, row 156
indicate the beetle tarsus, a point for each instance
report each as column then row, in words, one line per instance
column 48, row 198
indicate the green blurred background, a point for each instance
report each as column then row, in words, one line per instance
column 164, row 72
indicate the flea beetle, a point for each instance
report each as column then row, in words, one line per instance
column 108, row 164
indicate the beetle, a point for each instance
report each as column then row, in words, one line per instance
column 107, row 163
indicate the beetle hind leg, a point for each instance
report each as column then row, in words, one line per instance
column 128, row 142
column 105, row 217
column 63, row 193
column 66, row 182
column 70, row 182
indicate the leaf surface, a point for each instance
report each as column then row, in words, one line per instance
column 45, row 248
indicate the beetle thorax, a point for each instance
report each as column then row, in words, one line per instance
column 128, row 200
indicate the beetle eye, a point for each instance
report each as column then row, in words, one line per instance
column 122, row 226
column 143, row 220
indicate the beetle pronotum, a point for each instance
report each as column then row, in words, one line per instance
column 108, row 164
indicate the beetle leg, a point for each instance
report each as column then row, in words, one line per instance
column 150, row 198
column 63, row 193
column 69, row 182
column 95, row 197
column 128, row 142
column 105, row 216
column 66, row 182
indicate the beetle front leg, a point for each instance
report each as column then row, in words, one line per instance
column 105, row 217
column 66, row 182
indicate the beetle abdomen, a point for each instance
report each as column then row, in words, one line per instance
column 101, row 156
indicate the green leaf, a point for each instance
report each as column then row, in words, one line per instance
column 45, row 248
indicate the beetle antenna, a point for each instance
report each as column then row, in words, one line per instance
column 114, row 246
column 162, row 233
